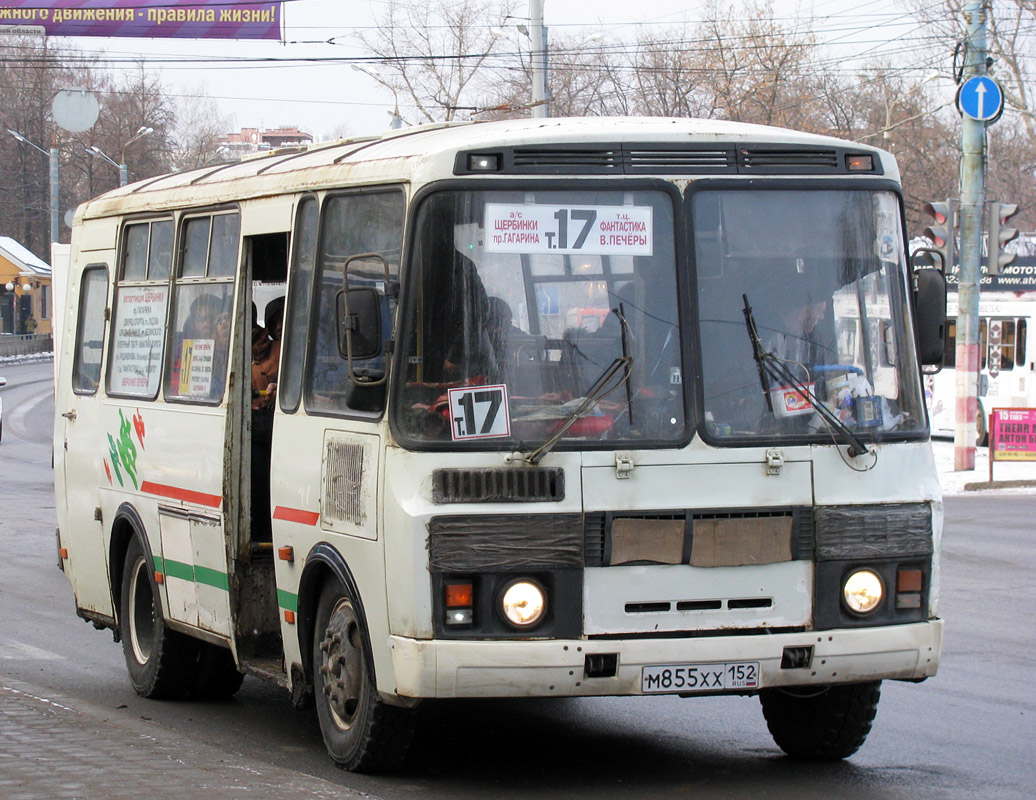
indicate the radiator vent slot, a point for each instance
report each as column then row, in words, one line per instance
column 527, row 159
column 680, row 162
column 594, row 539
column 788, row 160
column 343, row 483
column 525, row 485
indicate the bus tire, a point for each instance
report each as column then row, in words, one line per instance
column 981, row 434
column 361, row 732
column 825, row 724
column 161, row 661
column 217, row 677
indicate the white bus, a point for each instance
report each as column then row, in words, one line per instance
column 532, row 436
column 1007, row 377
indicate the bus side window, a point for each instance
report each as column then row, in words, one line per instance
column 949, row 359
column 202, row 309
column 139, row 310
column 353, row 224
column 1019, row 343
column 300, row 298
column 86, row 369
column 1007, row 339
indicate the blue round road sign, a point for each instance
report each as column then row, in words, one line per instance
column 980, row 98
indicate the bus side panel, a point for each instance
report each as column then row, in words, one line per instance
column 324, row 488
column 83, row 455
column 188, row 487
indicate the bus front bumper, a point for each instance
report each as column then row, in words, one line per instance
column 558, row 668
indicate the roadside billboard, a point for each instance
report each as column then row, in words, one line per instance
column 166, row 19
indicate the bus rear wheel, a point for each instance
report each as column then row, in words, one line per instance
column 981, row 433
column 161, row 662
column 821, row 723
column 362, row 733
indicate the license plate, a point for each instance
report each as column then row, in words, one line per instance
column 700, row 677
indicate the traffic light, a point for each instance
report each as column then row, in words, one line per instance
column 999, row 213
column 943, row 231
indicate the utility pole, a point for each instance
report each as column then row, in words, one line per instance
column 538, row 39
column 972, row 199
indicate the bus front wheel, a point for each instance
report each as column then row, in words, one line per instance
column 361, row 732
column 821, row 723
column 160, row 661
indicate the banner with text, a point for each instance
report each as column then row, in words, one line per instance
column 167, row 19
column 1013, row 434
column 1017, row 277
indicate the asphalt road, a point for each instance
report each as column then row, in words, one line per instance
column 967, row 733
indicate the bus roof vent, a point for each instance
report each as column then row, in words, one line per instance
column 522, row 485
column 573, row 160
column 808, row 160
column 640, row 160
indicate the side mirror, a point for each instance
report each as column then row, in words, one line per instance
column 359, row 324
column 3, row 381
column 930, row 307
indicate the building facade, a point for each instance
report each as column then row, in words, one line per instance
column 26, row 294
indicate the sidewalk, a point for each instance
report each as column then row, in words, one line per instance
column 1006, row 474
column 56, row 748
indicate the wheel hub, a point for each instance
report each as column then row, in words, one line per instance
column 342, row 664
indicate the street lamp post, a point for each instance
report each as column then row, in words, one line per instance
column 538, row 38
column 397, row 121
column 142, row 131
column 54, row 184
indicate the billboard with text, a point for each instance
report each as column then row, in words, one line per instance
column 166, row 19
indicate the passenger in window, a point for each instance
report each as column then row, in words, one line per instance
column 266, row 356
column 199, row 329
column 221, row 350
column 796, row 342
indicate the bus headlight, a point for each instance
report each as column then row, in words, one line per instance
column 863, row 591
column 523, row 603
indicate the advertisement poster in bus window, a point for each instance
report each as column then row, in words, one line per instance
column 197, row 357
column 568, row 230
column 139, row 335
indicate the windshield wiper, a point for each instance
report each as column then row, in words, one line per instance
column 759, row 352
column 598, row 391
column 771, row 366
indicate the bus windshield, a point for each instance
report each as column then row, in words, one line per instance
column 535, row 315
column 824, row 275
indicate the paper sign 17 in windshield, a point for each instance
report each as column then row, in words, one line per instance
column 568, row 230
column 479, row 412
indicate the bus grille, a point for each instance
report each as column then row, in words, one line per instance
column 597, row 528
column 642, row 158
column 524, row 485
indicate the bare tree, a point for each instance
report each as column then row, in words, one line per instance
column 434, row 52
column 199, row 125
column 31, row 72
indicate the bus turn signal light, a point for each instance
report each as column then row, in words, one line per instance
column 459, row 595
column 909, row 583
column 460, row 601
column 859, row 163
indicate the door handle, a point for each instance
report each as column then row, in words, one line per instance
column 70, row 415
